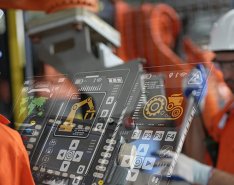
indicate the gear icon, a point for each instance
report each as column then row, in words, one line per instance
column 176, row 112
column 154, row 105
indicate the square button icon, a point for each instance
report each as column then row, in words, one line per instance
column 158, row 136
column 147, row 135
column 171, row 135
column 136, row 134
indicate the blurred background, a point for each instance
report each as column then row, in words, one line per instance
column 166, row 32
column 18, row 59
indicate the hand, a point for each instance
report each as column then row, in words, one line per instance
column 195, row 84
column 192, row 170
column 189, row 169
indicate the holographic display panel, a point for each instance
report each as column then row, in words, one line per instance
column 123, row 126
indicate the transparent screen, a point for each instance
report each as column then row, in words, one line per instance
column 119, row 127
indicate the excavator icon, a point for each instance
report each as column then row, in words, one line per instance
column 69, row 124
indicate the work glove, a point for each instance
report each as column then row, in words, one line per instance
column 195, row 84
column 192, row 170
column 188, row 169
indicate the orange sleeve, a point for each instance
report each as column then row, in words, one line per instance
column 24, row 173
column 14, row 162
column 218, row 98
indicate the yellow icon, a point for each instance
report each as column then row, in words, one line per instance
column 100, row 182
column 33, row 122
column 158, row 108
column 68, row 124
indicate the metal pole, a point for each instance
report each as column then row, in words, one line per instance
column 16, row 55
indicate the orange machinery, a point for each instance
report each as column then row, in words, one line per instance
column 150, row 31
column 49, row 5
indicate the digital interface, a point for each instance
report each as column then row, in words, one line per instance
column 124, row 126
column 35, row 103
column 81, row 117
column 161, row 116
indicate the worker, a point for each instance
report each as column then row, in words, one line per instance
column 14, row 162
column 222, row 43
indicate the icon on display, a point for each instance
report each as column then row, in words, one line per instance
column 183, row 74
column 158, row 108
column 138, row 162
column 79, row 81
column 170, row 75
column 100, row 182
column 77, row 156
column 68, row 125
column 110, row 100
column 158, row 135
column 147, row 134
column 148, row 163
column 115, row 80
column 127, row 161
column 147, row 76
column 196, row 78
column 170, row 136
column 142, row 149
column 98, row 127
column 77, row 180
column 52, row 142
column 33, row 105
column 155, row 179
column 65, row 165
column 136, row 134
column 69, row 155
column 165, row 151
column 81, row 169
column 132, row 175
column 74, row 144
column 46, row 158
column 49, row 150
column 104, row 113
column 61, row 155
column 99, row 80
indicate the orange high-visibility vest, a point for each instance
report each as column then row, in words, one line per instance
column 14, row 162
column 224, row 128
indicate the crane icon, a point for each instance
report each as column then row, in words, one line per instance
column 69, row 124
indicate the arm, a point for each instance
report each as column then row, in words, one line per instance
column 219, row 177
column 197, row 173
column 24, row 176
column 14, row 162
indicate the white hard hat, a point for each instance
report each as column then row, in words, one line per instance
column 222, row 34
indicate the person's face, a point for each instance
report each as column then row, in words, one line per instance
column 225, row 62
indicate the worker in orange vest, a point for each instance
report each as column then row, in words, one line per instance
column 222, row 43
column 222, row 129
column 14, row 162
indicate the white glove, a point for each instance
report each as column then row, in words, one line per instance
column 192, row 170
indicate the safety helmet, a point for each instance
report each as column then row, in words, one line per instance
column 222, row 34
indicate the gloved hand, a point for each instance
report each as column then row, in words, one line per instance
column 188, row 169
column 192, row 170
column 195, row 84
